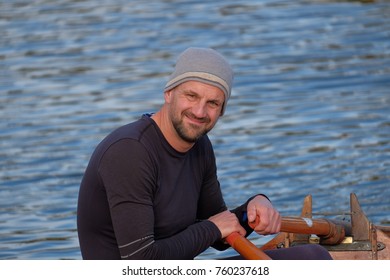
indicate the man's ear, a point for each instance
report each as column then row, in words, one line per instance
column 168, row 96
column 220, row 114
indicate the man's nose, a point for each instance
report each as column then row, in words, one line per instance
column 199, row 109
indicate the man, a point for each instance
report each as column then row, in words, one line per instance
column 151, row 190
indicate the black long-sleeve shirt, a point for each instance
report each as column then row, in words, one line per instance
column 142, row 199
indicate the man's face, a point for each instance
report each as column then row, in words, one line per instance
column 194, row 109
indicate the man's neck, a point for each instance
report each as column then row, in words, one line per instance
column 165, row 124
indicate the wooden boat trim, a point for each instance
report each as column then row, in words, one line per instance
column 363, row 240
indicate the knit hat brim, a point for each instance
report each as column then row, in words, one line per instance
column 203, row 65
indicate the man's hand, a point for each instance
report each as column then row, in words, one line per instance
column 268, row 217
column 227, row 223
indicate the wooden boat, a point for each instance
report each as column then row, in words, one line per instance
column 355, row 239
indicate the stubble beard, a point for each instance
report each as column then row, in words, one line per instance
column 189, row 133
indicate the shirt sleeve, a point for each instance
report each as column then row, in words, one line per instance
column 211, row 200
column 127, row 173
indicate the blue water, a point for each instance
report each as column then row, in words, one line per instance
column 309, row 112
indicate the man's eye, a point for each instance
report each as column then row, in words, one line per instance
column 191, row 96
column 214, row 103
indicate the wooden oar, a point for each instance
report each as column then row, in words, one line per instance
column 329, row 232
column 246, row 248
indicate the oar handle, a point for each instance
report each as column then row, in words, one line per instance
column 246, row 248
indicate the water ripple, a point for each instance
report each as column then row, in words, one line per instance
column 308, row 114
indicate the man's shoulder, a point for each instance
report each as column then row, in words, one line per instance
column 133, row 130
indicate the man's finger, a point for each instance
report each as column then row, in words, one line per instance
column 251, row 212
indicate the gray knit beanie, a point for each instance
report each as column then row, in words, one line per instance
column 203, row 65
